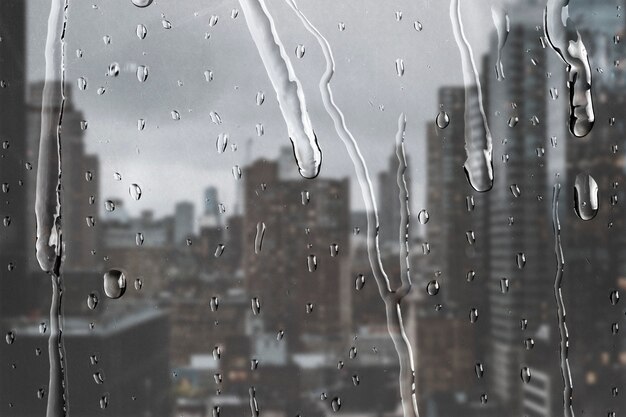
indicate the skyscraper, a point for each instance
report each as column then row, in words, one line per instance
column 15, row 295
column 295, row 251
column 521, row 261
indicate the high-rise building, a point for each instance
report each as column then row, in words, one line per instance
column 183, row 221
column 521, row 261
column 593, row 251
column 296, row 250
column 16, row 292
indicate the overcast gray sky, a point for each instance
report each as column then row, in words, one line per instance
column 175, row 160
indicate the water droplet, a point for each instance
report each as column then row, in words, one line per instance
column 215, row 118
column 114, row 283
column 469, row 203
column 479, row 369
column 471, row 274
column 529, row 343
column 336, row 404
column 258, row 239
column 585, row 196
column 513, row 121
column 442, row 120
column 471, row 238
column 504, row 285
column 43, row 327
column 433, row 287
column 104, row 401
column 135, row 191
column 614, row 297
column 10, row 338
column 237, row 172
column 525, row 374
column 92, row 301
column 520, row 259
column 114, row 70
column 141, row 31
column 359, row 282
column 418, row 26
column 515, row 190
column 334, row 249
column 341, row 26
column 352, row 352
column 280, row 335
column 400, row 67
column 219, row 250
column 473, row 315
column 142, row 3
column 91, row 222
column 41, row 393
column 82, row 84
column 166, row 24
column 306, row 197
column 311, row 261
column 213, row 20
column 483, row 398
column 142, row 73
column 300, row 50
column 98, row 377
column 217, row 353
column 234, row 13
column 109, row 205
column 222, row 142
column 139, row 239
column 423, row 216
column 256, row 305
column 138, row 284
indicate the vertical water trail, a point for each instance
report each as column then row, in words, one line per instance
column 48, row 197
column 568, row 44
column 289, row 92
column 403, row 196
column 478, row 143
column 568, row 410
column 391, row 298
column 503, row 26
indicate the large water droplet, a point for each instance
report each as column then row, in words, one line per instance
column 142, row 3
column 114, row 283
column 423, row 216
column 442, row 120
column 433, row 287
column 585, row 196
column 336, row 404
column 135, row 191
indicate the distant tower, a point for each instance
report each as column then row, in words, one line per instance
column 183, row 221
